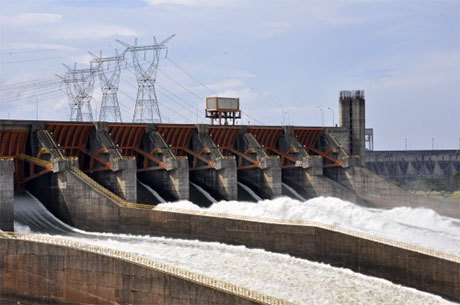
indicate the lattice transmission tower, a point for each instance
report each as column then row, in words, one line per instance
column 146, row 109
column 79, row 88
column 109, row 76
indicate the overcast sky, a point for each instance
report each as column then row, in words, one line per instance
column 285, row 60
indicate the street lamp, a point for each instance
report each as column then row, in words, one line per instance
column 322, row 115
column 333, row 118
column 289, row 117
column 282, row 111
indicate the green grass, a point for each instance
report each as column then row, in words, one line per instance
column 452, row 197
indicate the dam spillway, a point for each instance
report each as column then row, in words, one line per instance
column 264, row 272
column 87, row 175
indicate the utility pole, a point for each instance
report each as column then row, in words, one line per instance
column 109, row 75
column 79, row 87
column 146, row 109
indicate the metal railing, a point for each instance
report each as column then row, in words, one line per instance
column 151, row 264
column 120, row 201
column 36, row 161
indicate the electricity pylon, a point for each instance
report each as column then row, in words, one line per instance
column 146, row 109
column 109, row 75
column 79, row 87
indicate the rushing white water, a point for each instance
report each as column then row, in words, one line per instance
column 250, row 191
column 293, row 192
column 419, row 226
column 202, row 191
column 278, row 275
column 152, row 191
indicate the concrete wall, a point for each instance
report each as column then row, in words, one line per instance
column 37, row 272
column 342, row 136
column 97, row 212
column 412, row 165
column 6, row 194
column 324, row 244
column 73, row 199
column 121, row 181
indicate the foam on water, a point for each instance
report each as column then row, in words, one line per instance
column 419, row 226
column 278, row 275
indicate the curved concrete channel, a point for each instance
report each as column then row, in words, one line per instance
column 95, row 239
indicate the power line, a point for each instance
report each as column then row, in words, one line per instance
column 162, row 104
column 27, row 51
column 146, row 109
column 180, row 85
column 28, row 96
column 177, row 102
column 191, row 76
column 25, row 84
column 35, row 90
column 29, row 60
column 186, row 104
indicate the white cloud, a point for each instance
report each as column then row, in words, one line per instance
column 247, row 95
column 423, row 72
column 95, row 32
column 30, row 19
column 224, row 85
column 275, row 27
column 189, row 2
column 84, row 59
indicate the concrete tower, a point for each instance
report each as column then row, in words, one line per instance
column 352, row 115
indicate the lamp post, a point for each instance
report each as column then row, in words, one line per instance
column 289, row 117
column 333, row 116
column 282, row 111
column 322, row 115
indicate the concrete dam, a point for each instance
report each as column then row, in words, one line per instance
column 110, row 177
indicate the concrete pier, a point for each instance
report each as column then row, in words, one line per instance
column 298, row 175
column 173, row 180
column 96, row 152
column 220, row 179
column 352, row 116
column 121, row 178
column 265, row 179
column 6, row 194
